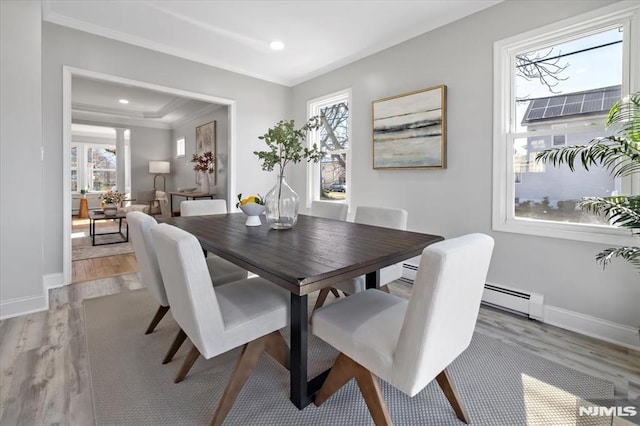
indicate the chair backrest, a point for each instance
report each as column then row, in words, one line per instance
column 382, row 216
column 442, row 310
column 140, row 229
column 329, row 210
column 193, row 300
column 202, row 207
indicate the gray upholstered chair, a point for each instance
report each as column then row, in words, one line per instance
column 248, row 312
column 408, row 343
column 202, row 207
column 151, row 202
column 329, row 210
column 221, row 271
column 376, row 216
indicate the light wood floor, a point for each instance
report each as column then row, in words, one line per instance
column 99, row 267
column 44, row 377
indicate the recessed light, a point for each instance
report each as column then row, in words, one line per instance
column 123, row 101
column 276, row 45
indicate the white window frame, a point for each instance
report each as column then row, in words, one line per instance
column 624, row 13
column 313, row 169
column 82, row 170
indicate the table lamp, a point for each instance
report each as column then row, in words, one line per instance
column 159, row 168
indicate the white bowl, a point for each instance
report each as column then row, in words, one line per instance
column 253, row 211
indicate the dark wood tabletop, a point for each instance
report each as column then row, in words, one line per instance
column 315, row 254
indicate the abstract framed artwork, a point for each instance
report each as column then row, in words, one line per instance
column 206, row 141
column 410, row 130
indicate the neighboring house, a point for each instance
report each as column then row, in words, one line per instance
column 535, row 181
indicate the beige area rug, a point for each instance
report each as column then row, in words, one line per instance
column 498, row 383
column 81, row 247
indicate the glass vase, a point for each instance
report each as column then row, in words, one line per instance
column 281, row 204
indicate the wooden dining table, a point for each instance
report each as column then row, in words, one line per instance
column 315, row 254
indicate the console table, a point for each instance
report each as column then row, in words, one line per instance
column 188, row 195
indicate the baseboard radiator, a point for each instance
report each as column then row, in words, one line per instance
column 510, row 299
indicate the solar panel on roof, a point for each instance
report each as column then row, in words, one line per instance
column 571, row 109
column 534, row 114
column 553, row 111
column 557, row 101
column 539, row 103
column 571, row 99
column 592, row 106
column 593, row 96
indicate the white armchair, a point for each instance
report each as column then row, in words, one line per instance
column 408, row 343
column 151, row 202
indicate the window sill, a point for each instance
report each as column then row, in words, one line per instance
column 569, row 231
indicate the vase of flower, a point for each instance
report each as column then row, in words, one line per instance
column 204, row 164
column 285, row 144
column 281, row 204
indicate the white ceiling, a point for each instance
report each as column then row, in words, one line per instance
column 98, row 101
column 319, row 36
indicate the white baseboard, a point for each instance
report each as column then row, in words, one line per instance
column 23, row 305
column 50, row 281
column 602, row 329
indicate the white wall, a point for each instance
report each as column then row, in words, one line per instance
column 21, row 218
column 458, row 200
column 258, row 105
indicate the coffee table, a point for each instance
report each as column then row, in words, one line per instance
column 95, row 216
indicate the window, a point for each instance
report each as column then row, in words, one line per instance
column 93, row 167
column 328, row 180
column 553, row 88
column 180, row 149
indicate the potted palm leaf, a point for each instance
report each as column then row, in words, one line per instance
column 619, row 154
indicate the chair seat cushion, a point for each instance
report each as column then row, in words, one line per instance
column 251, row 308
column 364, row 326
column 357, row 284
column 223, row 272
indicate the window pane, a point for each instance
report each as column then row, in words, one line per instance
column 550, row 193
column 74, row 180
column 103, row 180
column 568, row 80
column 180, row 148
column 101, row 158
column 334, row 140
column 74, row 157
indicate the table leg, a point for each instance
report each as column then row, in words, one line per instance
column 372, row 279
column 298, row 351
column 171, row 205
column 92, row 227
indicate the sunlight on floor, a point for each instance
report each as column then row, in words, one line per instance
column 78, row 235
column 546, row 404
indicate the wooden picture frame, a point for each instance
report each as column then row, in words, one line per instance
column 410, row 130
column 206, row 141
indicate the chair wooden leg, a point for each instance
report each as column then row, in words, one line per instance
column 446, row 385
column 343, row 370
column 335, row 292
column 191, row 358
column 277, row 347
column 162, row 310
column 340, row 374
column 322, row 296
column 243, row 369
column 177, row 342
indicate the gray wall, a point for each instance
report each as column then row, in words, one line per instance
column 259, row 104
column 458, row 200
column 148, row 144
column 20, row 156
column 182, row 169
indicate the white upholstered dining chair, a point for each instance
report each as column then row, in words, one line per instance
column 248, row 312
column 202, row 207
column 329, row 210
column 376, row 216
column 408, row 343
column 221, row 271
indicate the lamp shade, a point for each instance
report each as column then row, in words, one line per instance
column 159, row 167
